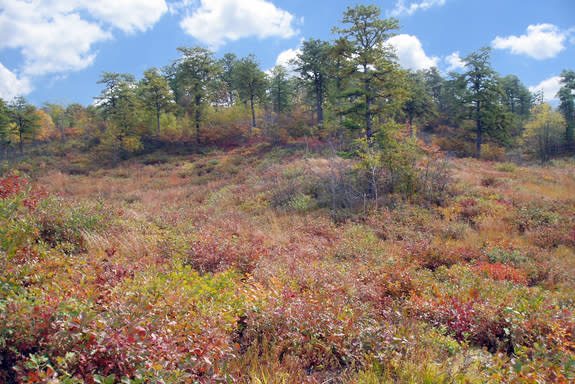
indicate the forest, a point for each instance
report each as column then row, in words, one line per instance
column 340, row 220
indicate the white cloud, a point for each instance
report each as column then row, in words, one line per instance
column 408, row 7
column 11, row 85
column 410, row 52
column 455, row 62
column 127, row 15
column 550, row 87
column 218, row 21
column 56, row 36
column 542, row 41
column 286, row 56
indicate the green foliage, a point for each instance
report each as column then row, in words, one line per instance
column 251, row 83
column 155, row 93
column 482, row 94
column 544, row 132
column 189, row 77
column 5, row 133
column 281, row 90
column 25, row 120
column 315, row 65
column 567, row 106
column 375, row 83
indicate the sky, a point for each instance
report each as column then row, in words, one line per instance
column 55, row 50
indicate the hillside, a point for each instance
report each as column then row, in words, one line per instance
column 234, row 266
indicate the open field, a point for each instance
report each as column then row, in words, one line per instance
column 230, row 267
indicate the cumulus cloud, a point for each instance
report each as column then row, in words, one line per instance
column 286, row 56
column 549, row 87
column 454, row 61
column 542, row 41
column 407, row 7
column 410, row 52
column 284, row 59
column 215, row 22
column 127, row 15
column 11, row 85
column 56, row 36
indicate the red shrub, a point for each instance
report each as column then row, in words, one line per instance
column 500, row 271
column 11, row 185
column 216, row 252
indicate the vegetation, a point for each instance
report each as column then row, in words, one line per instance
column 212, row 223
column 268, row 264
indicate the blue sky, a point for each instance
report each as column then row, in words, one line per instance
column 55, row 50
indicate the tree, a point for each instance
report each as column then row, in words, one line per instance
column 117, row 100
column 314, row 66
column 339, row 72
column 119, row 104
column 155, row 94
column 434, row 84
column 482, row 92
column 228, row 64
column 5, row 131
column 418, row 103
column 566, row 96
column 190, row 76
column 281, row 89
column 518, row 100
column 24, row 116
column 544, row 131
column 370, row 60
column 516, row 97
column 251, row 83
column 58, row 114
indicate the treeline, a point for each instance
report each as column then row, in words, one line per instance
column 346, row 89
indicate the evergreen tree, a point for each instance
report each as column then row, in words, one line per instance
column 251, row 83
column 5, row 133
column 566, row 96
column 314, row 67
column 190, row 77
column 25, row 119
column 228, row 63
column 482, row 95
column 418, row 104
column 370, row 62
column 281, row 90
column 155, row 94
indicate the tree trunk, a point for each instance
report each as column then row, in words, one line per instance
column 478, row 138
column 368, row 130
column 158, row 113
column 253, row 114
column 319, row 102
column 368, row 100
column 198, row 118
column 479, row 129
column 21, row 142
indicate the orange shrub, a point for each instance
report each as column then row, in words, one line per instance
column 500, row 271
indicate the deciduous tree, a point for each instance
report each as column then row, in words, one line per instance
column 544, row 132
column 58, row 114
